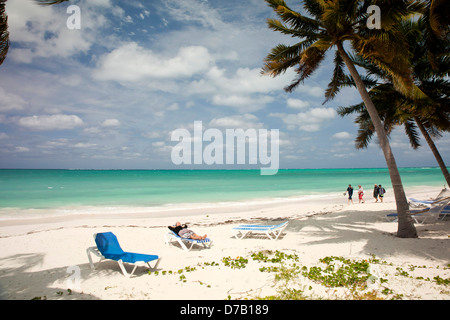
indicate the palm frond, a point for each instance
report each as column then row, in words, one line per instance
column 49, row 2
column 338, row 78
column 411, row 132
column 294, row 19
column 309, row 62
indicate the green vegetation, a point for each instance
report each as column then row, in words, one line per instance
column 339, row 277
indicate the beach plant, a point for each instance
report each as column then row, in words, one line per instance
column 235, row 263
column 339, row 272
column 327, row 25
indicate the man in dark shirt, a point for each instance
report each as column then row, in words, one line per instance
column 350, row 194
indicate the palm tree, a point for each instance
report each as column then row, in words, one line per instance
column 430, row 115
column 333, row 22
column 395, row 109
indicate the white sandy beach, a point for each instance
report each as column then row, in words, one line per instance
column 38, row 256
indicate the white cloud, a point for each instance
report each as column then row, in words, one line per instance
column 192, row 10
column 44, row 30
column 10, row 101
column 243, row 102
column 84, row 145
column 342, row 135
column 131, row 62
column 51, row 122
column 310, row 121
column 110, row 123
column 243, row 121
column 297, row 104
column 246, row 80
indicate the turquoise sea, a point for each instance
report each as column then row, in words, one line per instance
column 50, row 189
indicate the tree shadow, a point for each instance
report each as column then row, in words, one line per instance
column 356, row 226
column 17, row 282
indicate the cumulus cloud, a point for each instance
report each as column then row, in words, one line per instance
column 342, row 135
column 51, row 122
column 310, row 121
column 44, row 30
column 110, row 123
column 10, row 101
column 297, row 104
column 243, row 121
column 131, row 62
column 243, row 102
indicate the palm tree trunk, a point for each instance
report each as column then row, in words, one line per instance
column 435, row 151
column 406, row 228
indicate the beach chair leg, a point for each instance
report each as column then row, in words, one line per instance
column 268, row 234
column 124, row 271
column 181, row 242
column 94, row 251
column 239, row 235
column 156, row 264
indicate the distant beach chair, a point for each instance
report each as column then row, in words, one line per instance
column 443, row 196
column 271, row 231
column 172, row 236
column 108, row 247
column 431, row 214
column 445, row 212
column 428, row 202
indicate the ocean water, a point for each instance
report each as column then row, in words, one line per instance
column 52, row 189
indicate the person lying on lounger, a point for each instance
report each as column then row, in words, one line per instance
column 184, row 232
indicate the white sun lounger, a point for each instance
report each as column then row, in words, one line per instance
column 427, row 214
column 429, row 203
column 172, row 236
column 271, row 231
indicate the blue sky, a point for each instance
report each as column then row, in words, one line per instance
column 109, row 94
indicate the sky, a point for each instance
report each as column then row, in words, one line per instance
column 109, row 94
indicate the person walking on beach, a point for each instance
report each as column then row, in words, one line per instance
column 350, row 194
column 375, row 193
column 381, row 192
column 360, row 194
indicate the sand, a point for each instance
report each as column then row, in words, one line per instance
column 46, row 258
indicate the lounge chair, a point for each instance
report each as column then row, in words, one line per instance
column 172, row 236
column 428, row 203
column 108, row 247
column 271, row 231
column 445, row 212
column 427, row 214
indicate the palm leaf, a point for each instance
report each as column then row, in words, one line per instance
column 338, row 78
column 49, row 2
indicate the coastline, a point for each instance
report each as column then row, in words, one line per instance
column 37, row 253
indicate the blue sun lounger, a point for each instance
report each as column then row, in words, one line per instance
column 272, row 231
column 172, row 236
column 108, row 247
